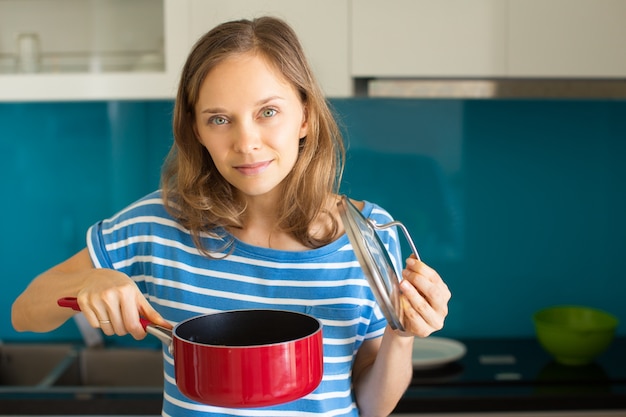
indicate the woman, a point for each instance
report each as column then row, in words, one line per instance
column 247, row 218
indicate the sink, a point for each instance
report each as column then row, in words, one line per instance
column 114, row 367
column 33, row 364
column 65, row 365
column 70, row 379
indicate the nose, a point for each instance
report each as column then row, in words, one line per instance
column 247, row 138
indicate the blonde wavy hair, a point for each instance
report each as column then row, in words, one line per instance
column 194, row 191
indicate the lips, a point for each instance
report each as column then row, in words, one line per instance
column 253, row 168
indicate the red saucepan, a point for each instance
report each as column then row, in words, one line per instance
column 243, row 358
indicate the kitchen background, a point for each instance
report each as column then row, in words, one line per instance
column 517, row 201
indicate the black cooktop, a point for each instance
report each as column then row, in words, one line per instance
column 517, row 374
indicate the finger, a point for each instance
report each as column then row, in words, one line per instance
column 107, row 327
column 427, row 281
column 113, row 304
column 94, row 311
column 132, row 313
column 117, row 325
column 414, row 323
column 421, row 311
column 141, row 308
column 436, row 294
column 91, row 317
column 417, row 304
column 151, row 314
column 133, row 324
column 421, row 269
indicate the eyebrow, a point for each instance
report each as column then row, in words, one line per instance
column 261, row 102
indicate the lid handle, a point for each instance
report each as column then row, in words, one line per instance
column 404, row 230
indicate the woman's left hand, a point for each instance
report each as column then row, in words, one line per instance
column 424, row 297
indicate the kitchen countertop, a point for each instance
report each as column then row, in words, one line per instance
column 495, row 375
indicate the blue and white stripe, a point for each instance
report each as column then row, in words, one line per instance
column 147, row 244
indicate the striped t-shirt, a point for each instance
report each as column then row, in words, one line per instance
column 146, row 243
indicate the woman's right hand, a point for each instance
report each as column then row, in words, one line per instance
column 112, row 301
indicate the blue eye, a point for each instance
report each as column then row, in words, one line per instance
column 269, row 112
column 218, row 120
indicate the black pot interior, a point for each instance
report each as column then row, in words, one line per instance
column 247, row 328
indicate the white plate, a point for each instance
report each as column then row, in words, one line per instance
column 436, row 351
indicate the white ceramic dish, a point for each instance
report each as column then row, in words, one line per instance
column 433, row 352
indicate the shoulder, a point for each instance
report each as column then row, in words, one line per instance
column 149, row 204
column 369, row 209
column 376, row 213
column 380, row 216
column 148, row 209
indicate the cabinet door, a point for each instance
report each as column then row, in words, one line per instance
column 322, row 27
column 567, row 38
column 86, row 54
column 428, row 38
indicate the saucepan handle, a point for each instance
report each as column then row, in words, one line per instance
column 165, row 335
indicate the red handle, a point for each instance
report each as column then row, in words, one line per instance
column 72, row 302
column 69, row 302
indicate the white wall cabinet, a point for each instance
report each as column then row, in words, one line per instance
column 138, row 75
column 489, row 38
column 322, row 27
column 428, row 38
column 567, row 38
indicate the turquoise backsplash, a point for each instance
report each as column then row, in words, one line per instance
column 518, row 203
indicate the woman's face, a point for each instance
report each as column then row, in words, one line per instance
column 250, row 120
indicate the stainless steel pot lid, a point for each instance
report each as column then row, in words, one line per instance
column 374, row 259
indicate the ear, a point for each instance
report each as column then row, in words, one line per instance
column 304, row 128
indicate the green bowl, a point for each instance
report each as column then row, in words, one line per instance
column 574, row 335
